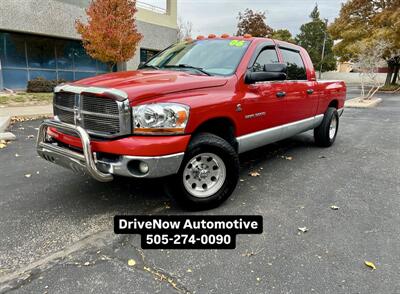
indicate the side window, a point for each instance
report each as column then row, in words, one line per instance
column 266, row 56
column 295, row 66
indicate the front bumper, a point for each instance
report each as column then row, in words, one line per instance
column 101, row 169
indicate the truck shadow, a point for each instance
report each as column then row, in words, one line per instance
column 263, row 154
column 147, row 196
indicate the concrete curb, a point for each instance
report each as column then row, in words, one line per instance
column 4, row 123
column 31, row 111
column 359, row 103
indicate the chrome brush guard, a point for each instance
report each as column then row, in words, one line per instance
column 85, row 162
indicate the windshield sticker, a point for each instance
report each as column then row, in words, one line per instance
column 237, row 43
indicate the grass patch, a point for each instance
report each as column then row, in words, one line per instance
column 390, row 87
column 19, row 99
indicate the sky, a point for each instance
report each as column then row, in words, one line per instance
column 220, row 16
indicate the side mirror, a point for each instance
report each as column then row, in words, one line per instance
column 141, row 64
column 272, row 72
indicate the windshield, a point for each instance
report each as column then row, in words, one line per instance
column 214, row 57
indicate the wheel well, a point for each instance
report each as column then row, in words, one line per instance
column 334, row 103
column 221, row 127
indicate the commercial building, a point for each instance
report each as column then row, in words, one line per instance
column 38, row 39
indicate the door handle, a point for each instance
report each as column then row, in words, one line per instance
column 310, row 91
column 280, row 94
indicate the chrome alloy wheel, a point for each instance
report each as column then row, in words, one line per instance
column 204, row 175
column 333, row 127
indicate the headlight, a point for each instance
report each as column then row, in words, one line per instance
column 160, row 118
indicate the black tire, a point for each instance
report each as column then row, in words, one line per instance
column 200, row 144
column 321, row 133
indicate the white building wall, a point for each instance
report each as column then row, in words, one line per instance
column 350, row 77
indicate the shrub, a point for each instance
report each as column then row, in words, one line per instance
column 390, row 88
column 41, row 85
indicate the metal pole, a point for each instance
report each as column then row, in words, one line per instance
column 323, row 48
column 1, row 78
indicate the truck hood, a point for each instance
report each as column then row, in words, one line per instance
column 142, row 84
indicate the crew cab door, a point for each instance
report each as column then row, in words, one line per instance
column 301, row 96
column 262, row 106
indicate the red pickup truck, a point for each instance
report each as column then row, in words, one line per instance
column 188, row 112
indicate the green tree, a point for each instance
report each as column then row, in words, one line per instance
column 361, row 23
column 253, row 23
column 312, row 36
column 283, row 35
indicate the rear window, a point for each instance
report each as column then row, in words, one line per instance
column 295, row 65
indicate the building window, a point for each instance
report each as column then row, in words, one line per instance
column 147, row 54
column 25, row 57
column 157, row 6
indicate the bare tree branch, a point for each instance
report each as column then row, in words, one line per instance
column 184, row 29
column 368, row 61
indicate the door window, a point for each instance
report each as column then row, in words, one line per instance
column 266, row 56
column 295, row 65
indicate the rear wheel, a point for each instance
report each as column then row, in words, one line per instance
column 325, row 133
column 208, row 174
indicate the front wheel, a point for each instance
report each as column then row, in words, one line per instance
column 208, row 174
column 325, row 133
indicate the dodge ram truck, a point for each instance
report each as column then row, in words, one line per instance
column 189, row 112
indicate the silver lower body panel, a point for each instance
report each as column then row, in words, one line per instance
column 268, row 136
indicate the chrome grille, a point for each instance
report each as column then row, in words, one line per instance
column 101, row 124
column 101, row 116
column 99, row 105
column 64, row 115
column 64, row 99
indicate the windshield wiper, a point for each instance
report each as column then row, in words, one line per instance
column 149, row 66
column 188, row 66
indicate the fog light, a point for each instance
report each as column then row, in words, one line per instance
column 143, row 167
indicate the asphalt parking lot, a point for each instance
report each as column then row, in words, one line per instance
column 57, row 232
